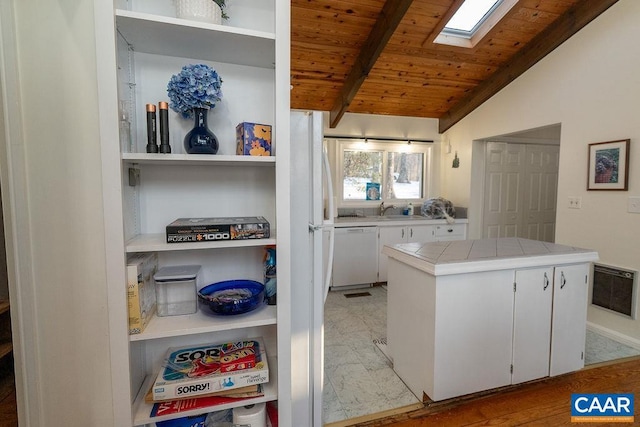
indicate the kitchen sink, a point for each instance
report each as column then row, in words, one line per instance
column 399, row 217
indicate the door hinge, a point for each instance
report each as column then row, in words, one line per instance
column 511, row 369
column 514, row 286
column 585, row 278
column 582, row 355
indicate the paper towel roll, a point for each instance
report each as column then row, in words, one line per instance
column 253, row 415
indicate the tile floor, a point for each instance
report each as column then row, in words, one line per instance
column 359, row 379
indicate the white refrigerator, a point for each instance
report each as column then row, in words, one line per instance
column 312, row 239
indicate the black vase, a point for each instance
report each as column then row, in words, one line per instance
column 200, row 140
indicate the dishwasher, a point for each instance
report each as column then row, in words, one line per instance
column 355, row 256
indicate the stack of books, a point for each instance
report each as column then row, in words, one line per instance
column 208, row 375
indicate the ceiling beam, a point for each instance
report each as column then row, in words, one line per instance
column 392, row 13
column 553, row 36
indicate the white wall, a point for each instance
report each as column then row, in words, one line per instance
column 56, row 196
column 591, row 86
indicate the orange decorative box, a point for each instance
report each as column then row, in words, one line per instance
column 253, row 139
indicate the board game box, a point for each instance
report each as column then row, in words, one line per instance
column 204, row 369
column 170, row 407
column 212, row 229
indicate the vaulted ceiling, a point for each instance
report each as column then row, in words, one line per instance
column 379, row 56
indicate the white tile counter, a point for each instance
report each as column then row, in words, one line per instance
column 466, row 256
column 473, row 315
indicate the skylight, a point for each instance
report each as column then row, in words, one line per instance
column 471, row 14
column 472, row 21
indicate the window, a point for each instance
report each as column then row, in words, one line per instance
column 472, row 21
column 470, row 15
column 393, row 171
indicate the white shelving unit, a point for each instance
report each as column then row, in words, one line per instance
column 151, row 45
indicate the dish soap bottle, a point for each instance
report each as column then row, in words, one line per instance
column 410, row 209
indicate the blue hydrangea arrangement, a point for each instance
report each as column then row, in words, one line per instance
column 195, row 86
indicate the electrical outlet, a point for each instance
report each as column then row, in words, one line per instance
column 575, row 202
column 634, row 205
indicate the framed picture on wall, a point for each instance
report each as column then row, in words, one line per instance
column 609, row 165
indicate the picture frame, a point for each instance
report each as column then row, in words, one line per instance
column 608, row 167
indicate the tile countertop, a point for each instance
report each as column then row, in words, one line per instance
column 390, row 220
column 469, row 256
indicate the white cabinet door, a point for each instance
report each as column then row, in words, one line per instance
column 473, row 333
column 570, row 291
column 532, row 324
column 388, row 236
column 355, row 256
column 420, row 233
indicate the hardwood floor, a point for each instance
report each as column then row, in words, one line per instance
column 8, row 407
column 541, row 403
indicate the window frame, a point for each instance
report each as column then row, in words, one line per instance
column 458, row 38
column 386, row 147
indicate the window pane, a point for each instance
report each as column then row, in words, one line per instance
column 406, row 170
column 471, row 14
column 360, row 167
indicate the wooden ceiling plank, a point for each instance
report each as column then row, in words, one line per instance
column 553, row 36
column 443, row 21
column 392, row 13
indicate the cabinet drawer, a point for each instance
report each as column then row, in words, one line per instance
column 450, row 230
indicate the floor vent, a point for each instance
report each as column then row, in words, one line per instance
column 357, row 294
column 615, row 289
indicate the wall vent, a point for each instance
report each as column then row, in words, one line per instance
column 615, row 289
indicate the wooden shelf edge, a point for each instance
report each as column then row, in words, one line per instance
column 200, row 323
column 156, row 243
column 198, row 159
column 142, row 16
column 142, row 410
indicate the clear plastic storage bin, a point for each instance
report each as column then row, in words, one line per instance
column 176, row 290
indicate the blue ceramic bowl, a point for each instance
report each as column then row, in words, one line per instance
column 233, row 296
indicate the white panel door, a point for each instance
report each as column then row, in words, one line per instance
column 504, row 167
column 532, row 324
column 570, row 290
column 388, row 236
column 541, row 185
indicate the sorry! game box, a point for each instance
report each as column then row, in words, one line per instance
column 204, row 369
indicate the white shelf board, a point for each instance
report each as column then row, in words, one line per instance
column 142, row 410
column 182, row 38
column 157, row 243
column 203, row 321
column 198, row 159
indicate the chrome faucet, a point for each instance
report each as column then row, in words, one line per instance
column 384, row 208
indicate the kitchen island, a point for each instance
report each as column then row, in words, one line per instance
column 472, row 315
